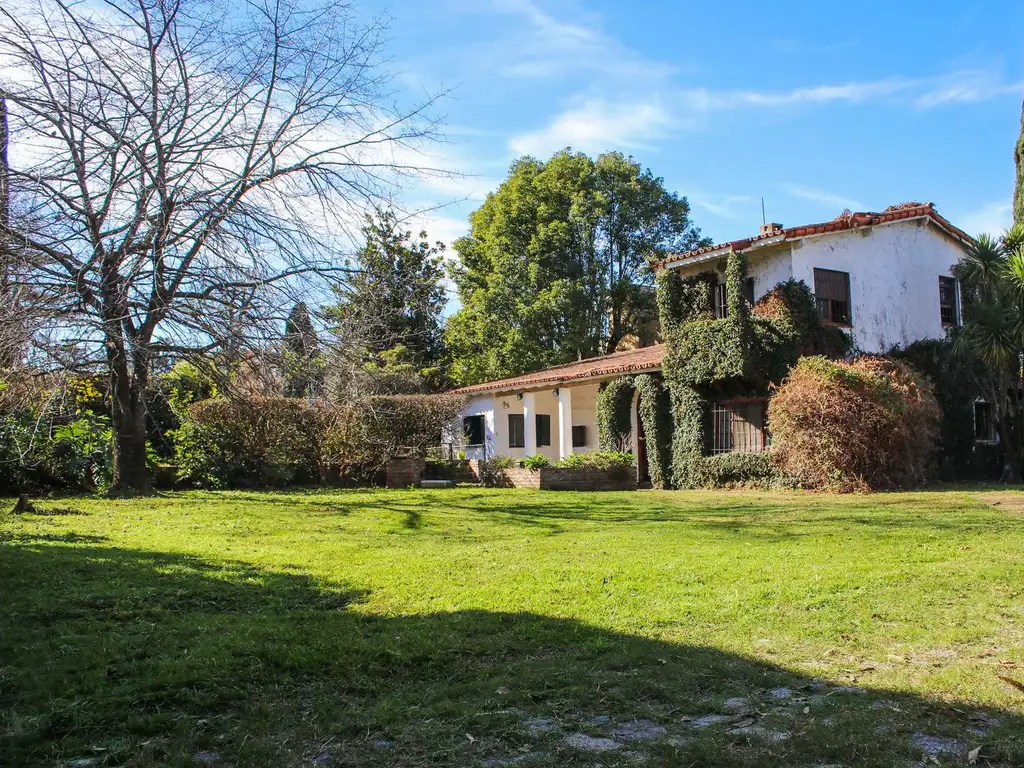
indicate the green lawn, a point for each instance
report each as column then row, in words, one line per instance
column 475, row 627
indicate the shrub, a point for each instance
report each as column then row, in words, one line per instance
column 870, row 424
column 262, row 442
column 537, row 461
column 500, row 462
column 278, row 441
column 601, row 460
column 740, row 469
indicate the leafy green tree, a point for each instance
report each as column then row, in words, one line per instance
column 991, row 276
column 388, row 317
column 1018, row 197
column 556, row 265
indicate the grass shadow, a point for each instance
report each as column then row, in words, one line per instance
column 120, row 656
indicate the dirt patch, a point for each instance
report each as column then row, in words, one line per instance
column 1010, row 502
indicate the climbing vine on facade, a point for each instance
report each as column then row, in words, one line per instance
column 655, row 413
column 614, row 414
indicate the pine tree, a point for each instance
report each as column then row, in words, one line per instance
column 302, row 354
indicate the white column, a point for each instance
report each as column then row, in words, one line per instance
column 564, row 422
column 529, row 423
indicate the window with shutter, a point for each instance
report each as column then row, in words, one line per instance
column 516, row 431
column 543, row 429
column 721, row 300
column 832, row 296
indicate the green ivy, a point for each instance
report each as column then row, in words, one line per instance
column 740, row 355
column 614, row 414
column 655, row 410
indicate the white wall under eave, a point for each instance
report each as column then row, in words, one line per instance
column 894, row 279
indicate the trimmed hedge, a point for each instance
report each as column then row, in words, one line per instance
column 871, row 424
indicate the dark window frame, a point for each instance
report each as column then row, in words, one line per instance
column 833, row 302
column 514, row 440
column 474, row 424
column 984, row 422
column 949, row 307
column 721, row 300
column 543, row 432
column 579, row 436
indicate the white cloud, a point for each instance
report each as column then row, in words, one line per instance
column 595, row 126
column 544, row 47
column 727, row 206
column 925, row 93
column 990, row 219
column 826, row 199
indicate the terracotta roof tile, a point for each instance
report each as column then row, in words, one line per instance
column 843, row 222
column 617, row 363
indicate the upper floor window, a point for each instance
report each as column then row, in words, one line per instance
column 721, row 300
column 516, row 430
column 832, row 296
column 947, row 302
column 722, row 297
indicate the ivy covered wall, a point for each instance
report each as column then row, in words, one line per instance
column 741, row 355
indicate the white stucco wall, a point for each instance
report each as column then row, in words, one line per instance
column 894, row 279
column 496, row 409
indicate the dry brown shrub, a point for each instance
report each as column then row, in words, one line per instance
column 870, row 424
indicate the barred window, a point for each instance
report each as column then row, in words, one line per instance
column 739, row 426
column 947, row 301
column 721, row 300
column 832, row 296
column 984, row 423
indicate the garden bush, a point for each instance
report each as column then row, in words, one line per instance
column 280, row 441
column 870, row 424
column 600, row 460
column 537, row 461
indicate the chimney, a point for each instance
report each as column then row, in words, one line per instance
column 771, row 228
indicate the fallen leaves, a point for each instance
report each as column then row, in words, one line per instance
column 972, row 756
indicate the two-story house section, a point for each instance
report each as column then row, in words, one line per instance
column 887, row 276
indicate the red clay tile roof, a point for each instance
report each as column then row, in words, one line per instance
column 844, row 221
column 630, row 361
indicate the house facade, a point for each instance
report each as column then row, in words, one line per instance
column 884, row 278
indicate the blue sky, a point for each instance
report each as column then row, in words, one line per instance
column 814, row 106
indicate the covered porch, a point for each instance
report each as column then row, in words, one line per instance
column 552, row 412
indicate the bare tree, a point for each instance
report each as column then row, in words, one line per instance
column 174, row 162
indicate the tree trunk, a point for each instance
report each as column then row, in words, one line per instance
column 1018, row 156
column 1010, row 452
column 128, row 415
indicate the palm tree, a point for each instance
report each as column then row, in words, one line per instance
column 991, row 277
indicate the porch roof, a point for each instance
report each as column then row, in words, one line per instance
column 629, row 361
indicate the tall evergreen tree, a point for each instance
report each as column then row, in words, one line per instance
column 557, row 263
column 302, row 354
column 1018, row 196
column 388, row 316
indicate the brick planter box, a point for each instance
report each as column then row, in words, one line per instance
column 402, row 473
column 559, row 479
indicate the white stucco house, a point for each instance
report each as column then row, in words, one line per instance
column 885, row 277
